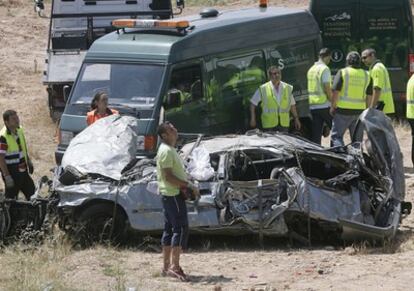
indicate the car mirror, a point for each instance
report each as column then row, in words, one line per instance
column 173, row 99
column 66, row 92
column 196, row 90
column 180, row 3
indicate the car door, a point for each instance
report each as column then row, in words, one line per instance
column 236, row 76
column 386, row 27
column 189, row 113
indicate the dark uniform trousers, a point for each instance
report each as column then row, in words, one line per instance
column 320, row 117
column 22, row 182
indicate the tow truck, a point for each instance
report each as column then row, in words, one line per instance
column 75, row 25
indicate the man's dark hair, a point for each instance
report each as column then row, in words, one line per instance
column 371, row 52
column 96, row 98
column 273, row 68
column 353, row 59
column 325, row 52
column 162, row 128
column 7, row 114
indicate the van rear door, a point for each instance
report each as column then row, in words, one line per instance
column 339, row 24
column 386, row 27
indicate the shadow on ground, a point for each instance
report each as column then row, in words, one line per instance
column 212, row 279
column 204, row 243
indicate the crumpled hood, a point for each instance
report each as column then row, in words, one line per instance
column 105, row 147
column 383, row 147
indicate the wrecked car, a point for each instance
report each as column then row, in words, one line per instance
column 273, row 184
column 26, row 221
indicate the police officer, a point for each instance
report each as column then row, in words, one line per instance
column 276, row 101
column 15, row 164
column 320, row 94
column 350, row 87
column 410, row 112
column 380, row 80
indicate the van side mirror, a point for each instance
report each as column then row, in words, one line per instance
column 173, row 99
column 66, row 92
column 196, row 90
column 180, row 4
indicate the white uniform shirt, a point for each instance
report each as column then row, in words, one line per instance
column 255, row 100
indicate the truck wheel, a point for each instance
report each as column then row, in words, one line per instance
column 96, row 223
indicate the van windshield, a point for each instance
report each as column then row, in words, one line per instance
column 134, row 85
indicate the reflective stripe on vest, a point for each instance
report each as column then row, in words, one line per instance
column 274, row 114
column 386, row 90
column 410, row 98
column 352, row 94
column 15, row 155
column 317, row 95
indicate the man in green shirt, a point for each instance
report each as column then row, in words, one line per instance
column 382, row 91
column 172, row 180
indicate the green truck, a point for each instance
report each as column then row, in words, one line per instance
column 385, row 25
column 198, row 73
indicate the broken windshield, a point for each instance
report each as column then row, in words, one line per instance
column 134, row 85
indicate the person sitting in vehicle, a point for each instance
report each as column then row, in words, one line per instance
column 99, row 108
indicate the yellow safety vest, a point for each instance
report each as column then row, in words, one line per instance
column 410, row 98
column 381, row 78
column 15, row 155
column 316, row 92
column 354, row 86
column 274, row 114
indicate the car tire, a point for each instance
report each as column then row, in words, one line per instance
column 95, row 225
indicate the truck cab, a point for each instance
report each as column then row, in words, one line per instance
column 74, row 26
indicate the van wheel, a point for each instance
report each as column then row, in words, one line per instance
column 96, row 224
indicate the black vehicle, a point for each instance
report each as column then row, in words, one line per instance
column 74, row 26
column 385, row 25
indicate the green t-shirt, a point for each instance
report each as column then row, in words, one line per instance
column 167, row 157
column 379, row 76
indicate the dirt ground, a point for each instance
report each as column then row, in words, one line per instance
column 231, row 266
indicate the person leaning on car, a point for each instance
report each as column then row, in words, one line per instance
column 276, row 101
column 351, row 88
column 172, row 182
column 15, row 164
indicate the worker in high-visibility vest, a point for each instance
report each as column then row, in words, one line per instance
column 320, row 94
column 15, row 164
column 277, row 103
column 382, row 91
column 410, row 112
column 350, row 89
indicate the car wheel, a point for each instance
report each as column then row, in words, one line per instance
column 96, row 224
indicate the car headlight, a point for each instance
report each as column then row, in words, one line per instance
column 65, row 137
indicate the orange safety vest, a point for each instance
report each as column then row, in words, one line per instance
column 93, row 115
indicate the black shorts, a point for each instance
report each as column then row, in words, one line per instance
column 176, row 221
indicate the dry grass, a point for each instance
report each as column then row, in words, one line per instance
column 55, row 266
column 34, row 268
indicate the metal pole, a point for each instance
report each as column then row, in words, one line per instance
column 259, row 188
column 50, row 26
